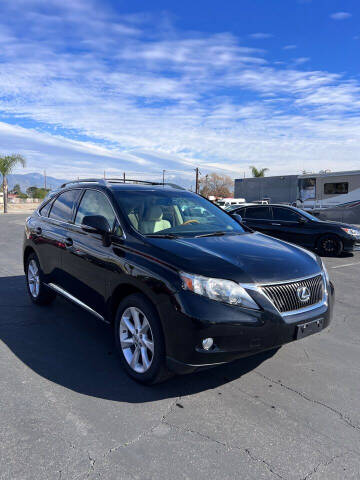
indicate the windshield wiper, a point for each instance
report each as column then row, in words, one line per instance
column 211, row 234
column 162, row 235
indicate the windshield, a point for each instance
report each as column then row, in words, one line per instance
column 171, row 214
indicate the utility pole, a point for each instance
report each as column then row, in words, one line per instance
column 124, row 177
column 45, row 179
column 164, row 177
column 197, row 180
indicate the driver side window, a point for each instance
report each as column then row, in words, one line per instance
column 94, row 202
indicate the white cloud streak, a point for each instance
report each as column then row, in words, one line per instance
column 340, row 15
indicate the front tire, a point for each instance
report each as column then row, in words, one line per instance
column 139, row 340
column 330, row 245
column 37, row 290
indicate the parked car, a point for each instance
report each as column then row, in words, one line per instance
column 297, row 226
column 179, row 293
column 227, row 202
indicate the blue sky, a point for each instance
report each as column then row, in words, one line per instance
column 141, row 86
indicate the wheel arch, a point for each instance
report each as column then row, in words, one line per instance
column 28, row 250
column 122, row 291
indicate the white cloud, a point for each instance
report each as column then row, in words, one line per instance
column 301, row 60
column 290, row 47
column 340, row 15
column 127, row 93
column 260, row 35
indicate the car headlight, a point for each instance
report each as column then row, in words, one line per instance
column 217, row 289
column 351, row 231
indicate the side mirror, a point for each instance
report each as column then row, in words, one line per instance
column 302, row 220
column 237, row 217
column 95, row 224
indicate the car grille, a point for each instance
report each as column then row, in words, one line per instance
column 284, row 296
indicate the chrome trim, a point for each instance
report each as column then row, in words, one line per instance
column 205, row 364
column 76, row 301
column 290, row 281
column 305, row 309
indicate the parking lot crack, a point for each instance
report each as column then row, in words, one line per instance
column 323, row 464
column 148, row 431
column 342, row 416
column 228, row 446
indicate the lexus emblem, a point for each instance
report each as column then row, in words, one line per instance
column 303, row 294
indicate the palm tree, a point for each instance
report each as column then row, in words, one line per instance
column 258, row 173
column 7, row 165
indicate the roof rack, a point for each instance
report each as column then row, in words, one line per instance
column 106, row 181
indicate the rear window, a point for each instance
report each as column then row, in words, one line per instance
column 44, row 211
column 261, row 213
column 63, row 206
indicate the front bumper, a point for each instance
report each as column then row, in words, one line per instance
column 351, row 244
column 237, row 332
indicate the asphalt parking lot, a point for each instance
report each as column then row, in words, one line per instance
column 68, row 411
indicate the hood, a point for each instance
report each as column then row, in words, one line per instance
column 336, row 224
column 246, row 258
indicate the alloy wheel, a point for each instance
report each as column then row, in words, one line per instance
column 329, row 246
column 33, row 277
column 136, row 339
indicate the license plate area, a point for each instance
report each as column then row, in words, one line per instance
column 309, row 328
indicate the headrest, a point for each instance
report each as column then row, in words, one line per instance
column 154, row 214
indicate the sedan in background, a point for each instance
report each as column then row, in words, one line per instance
column 297, row 226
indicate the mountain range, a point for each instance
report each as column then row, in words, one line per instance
column 33, row 180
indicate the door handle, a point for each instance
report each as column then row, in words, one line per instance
column 38, row 231
column 278, row 224
column 69, row 242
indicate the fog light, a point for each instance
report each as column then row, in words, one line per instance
column 207, row 343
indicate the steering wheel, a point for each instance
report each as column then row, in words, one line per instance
column 188, row 222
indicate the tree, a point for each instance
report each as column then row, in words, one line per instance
column 35, row 192
column 216, row 185
column 16, row 189
column 31, row 191
column 258, row 173
column 7, row 165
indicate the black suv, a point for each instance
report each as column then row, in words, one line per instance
column 182, row 283
column 297, row 226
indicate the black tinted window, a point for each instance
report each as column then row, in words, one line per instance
column 95, row 203
column 63, row 206
column 262, row 213
column 285, row 214
column 336, row 188
column 45, row 210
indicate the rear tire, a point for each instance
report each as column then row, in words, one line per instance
column 139, row 340
column 330, row 245
column 38, row 292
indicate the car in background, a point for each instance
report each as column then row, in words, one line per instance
column 181, row 283
column 230, row 208
column 227, row 202
column 297, row 226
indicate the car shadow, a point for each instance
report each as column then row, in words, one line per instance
column 70, row 347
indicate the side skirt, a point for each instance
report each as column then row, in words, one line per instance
column 75, row 300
